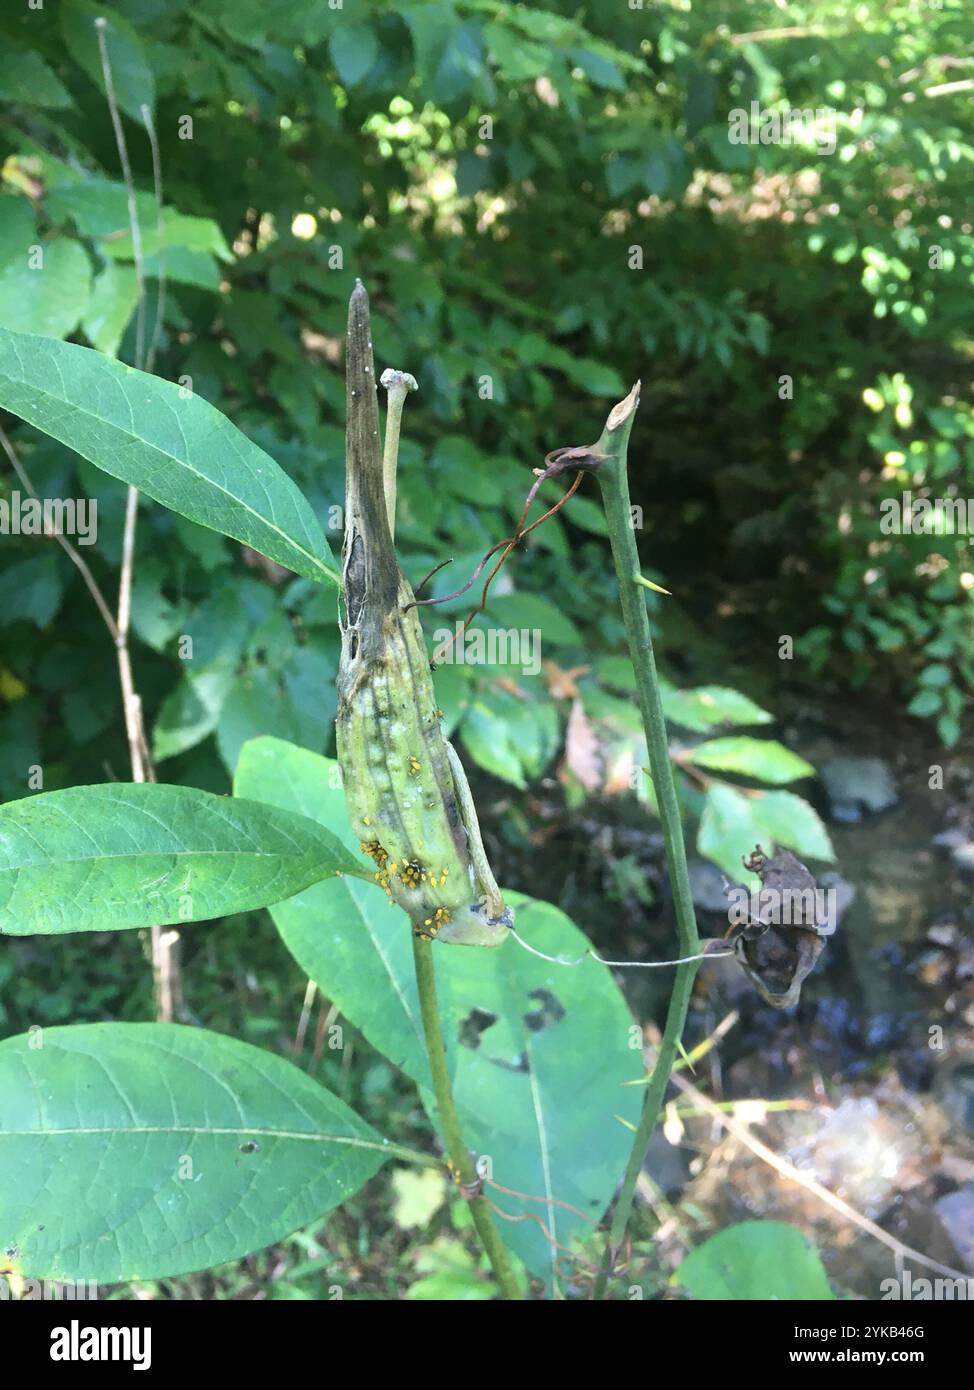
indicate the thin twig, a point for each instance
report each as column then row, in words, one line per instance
column 508, row 546
column 309, row 998
column 943, row 89
column 161, row 231
column 132, row 720
column 163, row 964
column 614, row 483
column 792, row 1174
column 791, row 31
column 449, row 1120
column 123, row 156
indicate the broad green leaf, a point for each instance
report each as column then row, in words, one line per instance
column 948, row 727
column 706, row 705
column 122, row 855
column 485, row 738
column 112, row 304
column 184, row 267
column 598, row 378
column 448, row 1274
column 158, row 621
column 519, row 59
column 588, row 515
column 511, row 737
column 755, row 1260
column 623, row 173
column 27, row 80
column 131, row 74
column 617, row 673
column 432, row 27
column 145, row 1150
column 191, row 712
column 18, row 229
column 925, row 703
column 344, row 933
column 181, row 452
column 730, row 706
column 50, row 298
column 598, row 69
column 935, row 676
column 354, row 49
column 32, row 589
column 534, row 613
column 179, row 232
column 258, row 703
column 20, row 734
column 461, row 468
column 99, row 208
column 789, row 820
column 535, row 1093
column 729, row 829
column 541, row 24
column 454, row 687
column 219, row 629
column 763, row 759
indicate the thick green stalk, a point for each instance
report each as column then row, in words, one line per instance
column 614, row 482
column 457, row 1150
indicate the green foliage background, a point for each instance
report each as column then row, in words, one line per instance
column 488, row 169
column 544, row 203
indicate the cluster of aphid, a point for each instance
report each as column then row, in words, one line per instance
column 411, row 873
column 439, row 919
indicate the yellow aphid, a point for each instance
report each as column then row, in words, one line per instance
column 412, row 874
column 433, row 924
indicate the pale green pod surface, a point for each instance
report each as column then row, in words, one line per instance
column 400, row 789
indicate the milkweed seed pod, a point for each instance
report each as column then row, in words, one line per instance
column 407, row 797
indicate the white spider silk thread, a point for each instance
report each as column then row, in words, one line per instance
column 621, row 964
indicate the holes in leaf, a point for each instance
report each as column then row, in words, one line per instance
column 249, row 1147
column 549, row 1011
column 476, row 1022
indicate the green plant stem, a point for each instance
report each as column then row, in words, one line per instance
column 456, row 1149
column 614, row 482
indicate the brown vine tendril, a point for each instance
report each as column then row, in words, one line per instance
column 584, row 457
column 548, row 1201
column 576, row 1260
column 502, row 561
column 507, row 546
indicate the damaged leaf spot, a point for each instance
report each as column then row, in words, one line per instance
column 250, row 1147
column 549, row 1011
column 476, row 1022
